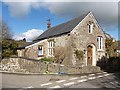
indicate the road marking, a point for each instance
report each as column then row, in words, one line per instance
column 24, row 88
column 99, row 73
column 45, row 84
column 83, row 80
column 106, row 74
column 70, row 83
column 116, row 82
column 73, row 78
column 91, row 74
column 60, row 81
column 30, row 87
column 112, row 83
column 100, row 76
column 55, row 87
column 83, row 76
column 91, row 78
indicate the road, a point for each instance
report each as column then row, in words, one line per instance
column 98, row 80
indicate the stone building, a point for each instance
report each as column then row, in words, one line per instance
column 82, row 33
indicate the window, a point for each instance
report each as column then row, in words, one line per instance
column 51, row 48
column 100, row 42
column 90, row 28
column 20, row 53
column 40, row 50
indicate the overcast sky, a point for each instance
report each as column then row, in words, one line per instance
column 106, row 14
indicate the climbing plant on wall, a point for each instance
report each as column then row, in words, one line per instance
column 79, row 54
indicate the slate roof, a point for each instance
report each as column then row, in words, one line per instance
column 58, row 30
column 23, row 47
column 108, row 35
column 61, row 29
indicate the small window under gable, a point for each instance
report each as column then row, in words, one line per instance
column 40, row 50
column 90, row 28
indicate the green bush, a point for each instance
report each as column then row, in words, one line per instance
column 79, row 54
column 49, row 59
column 9, row 48
column 110, row 65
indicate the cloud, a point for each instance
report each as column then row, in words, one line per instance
column 29, row 35
column 18, row 9
column 105, row 12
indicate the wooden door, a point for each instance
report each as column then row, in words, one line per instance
column 89, row 55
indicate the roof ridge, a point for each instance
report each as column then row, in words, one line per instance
column 64, row 25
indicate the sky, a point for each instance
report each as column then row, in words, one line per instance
column 27, row 18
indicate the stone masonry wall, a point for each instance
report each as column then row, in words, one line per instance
column 22, row 65
column 80, row 38
column 28, row 66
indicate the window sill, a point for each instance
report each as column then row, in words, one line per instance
column 101, row 50
column 50, row 56
column 40, row 55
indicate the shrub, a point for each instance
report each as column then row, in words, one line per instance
column 59, row 54
column 9, row 48
column 110, row 65
column 49, row 59
column 79, row 54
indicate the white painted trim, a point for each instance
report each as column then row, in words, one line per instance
column 94, row 55
column 36, row 43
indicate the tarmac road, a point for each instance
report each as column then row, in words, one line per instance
column 98, row 80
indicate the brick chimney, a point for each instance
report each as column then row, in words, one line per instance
column 48, row 24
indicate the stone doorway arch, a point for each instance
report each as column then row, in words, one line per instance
column 91, row 55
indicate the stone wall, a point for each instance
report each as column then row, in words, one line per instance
column 28, row 66
column 81, row 39
column 22, row 65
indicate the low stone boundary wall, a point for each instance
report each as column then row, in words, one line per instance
column 18, row 65
column 85, row 69
column 28, row 66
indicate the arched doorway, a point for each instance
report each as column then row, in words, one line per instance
column 89, row 55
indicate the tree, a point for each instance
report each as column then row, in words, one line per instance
column 9, row 48
column 5, row 33
column 24, row 39
column 110, row 47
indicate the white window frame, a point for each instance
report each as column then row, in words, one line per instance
column 38, row 50
column 51, row 48
column 90, row 28
column 100, row 42
column 20, row 53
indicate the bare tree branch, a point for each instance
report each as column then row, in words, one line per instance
column 5, row 32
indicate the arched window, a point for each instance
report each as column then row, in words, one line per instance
column 90, row 28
